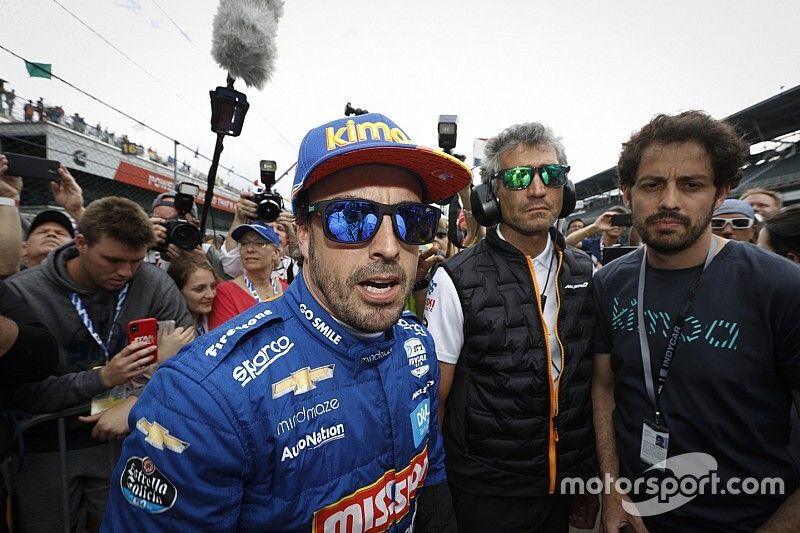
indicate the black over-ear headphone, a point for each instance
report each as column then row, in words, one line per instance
column 486, row 207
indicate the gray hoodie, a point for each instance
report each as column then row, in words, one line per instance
column 151, row 293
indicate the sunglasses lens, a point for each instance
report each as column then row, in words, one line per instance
column 441, row 235
column 741, row 223
column 351, row 221
column 416, row 223
column 517, row 178
column 553, row 175
column 717, row 223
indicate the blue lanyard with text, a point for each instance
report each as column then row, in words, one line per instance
column 672, row 341
column 251, row 288
column 80, row 308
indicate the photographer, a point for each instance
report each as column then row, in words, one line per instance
column 171, row 216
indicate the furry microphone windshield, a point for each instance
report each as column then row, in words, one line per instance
column 243, row 41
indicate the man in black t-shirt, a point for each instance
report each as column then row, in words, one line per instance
column 698, row 405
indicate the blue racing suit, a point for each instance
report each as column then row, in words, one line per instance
column 282, row 420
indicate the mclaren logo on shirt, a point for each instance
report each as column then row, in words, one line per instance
column 302, row 381
column 158, row 436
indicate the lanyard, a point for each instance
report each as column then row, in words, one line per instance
column 202, row 327
column 677, row 326
column 83, row 314
column 252, row 289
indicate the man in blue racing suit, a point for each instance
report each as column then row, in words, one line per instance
column 317, row 410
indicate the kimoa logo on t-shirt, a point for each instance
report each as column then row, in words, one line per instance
column 718, row 333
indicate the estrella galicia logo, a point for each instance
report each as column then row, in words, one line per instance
column 144, row 486
column 420, row 421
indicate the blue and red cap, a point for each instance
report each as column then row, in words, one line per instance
column 375, row 139
column 269, row 234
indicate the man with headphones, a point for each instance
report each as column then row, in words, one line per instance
column 512, row 319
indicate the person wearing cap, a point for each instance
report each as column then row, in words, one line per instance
column 735, row 219
column 260, row 252
column 48, row 230
column 512, row 318
column 315, row 410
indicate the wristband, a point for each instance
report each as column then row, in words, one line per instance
column 5, row 200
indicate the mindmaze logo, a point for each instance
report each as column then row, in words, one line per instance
column 693, row 474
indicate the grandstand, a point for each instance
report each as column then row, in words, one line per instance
column 772, row 128
column 104, row 165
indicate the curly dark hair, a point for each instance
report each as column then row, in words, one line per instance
column 726, row 148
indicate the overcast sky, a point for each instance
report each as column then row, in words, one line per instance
column 593, row 70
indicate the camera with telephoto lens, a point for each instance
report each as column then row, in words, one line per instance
column 180, row 231
column 269, row 203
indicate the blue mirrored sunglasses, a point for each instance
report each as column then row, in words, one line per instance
column 355, row 221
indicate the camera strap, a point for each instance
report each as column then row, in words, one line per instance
column 83, row 314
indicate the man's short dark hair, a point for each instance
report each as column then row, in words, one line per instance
column 724, row 145
column 118, row 218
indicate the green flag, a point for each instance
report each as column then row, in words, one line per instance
column 39, row 70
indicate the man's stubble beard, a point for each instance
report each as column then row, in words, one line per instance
column 338, row 296
column 667, row 246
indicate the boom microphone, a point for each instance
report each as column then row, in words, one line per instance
column 243, row 41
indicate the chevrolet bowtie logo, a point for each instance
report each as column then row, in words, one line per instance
column 158, row 436
column 301, row 381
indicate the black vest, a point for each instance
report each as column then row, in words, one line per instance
column 500, row 437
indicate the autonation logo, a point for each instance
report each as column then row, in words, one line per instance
column 693, row 474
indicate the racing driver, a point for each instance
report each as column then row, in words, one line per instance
column 315, row 411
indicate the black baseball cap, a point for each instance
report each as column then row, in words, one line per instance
column 51, row 215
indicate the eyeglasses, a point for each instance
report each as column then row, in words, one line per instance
column 355, row 221
column 257, row 244
column 736, row 223
column 518, row 178
column 441, row 234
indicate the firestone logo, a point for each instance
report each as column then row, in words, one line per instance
column 212, row 350
column 376, row 507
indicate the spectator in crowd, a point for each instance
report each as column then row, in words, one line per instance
column 698, row 342
column 260, row 250
column 574, row 225
column 10, row 97
column 765, row 203
column 781, row 233
column 10, row 228
column 512, row 318
column 85, row 293
column 28, row 111
column 245, row 213
column 444, row 248
column 28, row 353
column 232, row 398
column 163, row 210
column 600, row 234
column 736, row 220
column 40, row 108
column 197, row 281
column 50, row 228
